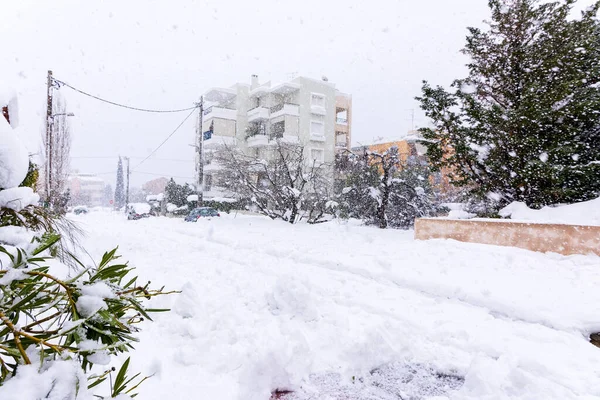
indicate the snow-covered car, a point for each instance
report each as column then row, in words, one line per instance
column 132, row 215
column 201, row 212
column 80, row 210
column 138, row 211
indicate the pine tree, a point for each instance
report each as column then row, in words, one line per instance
column 524, row 124
column 120, row 187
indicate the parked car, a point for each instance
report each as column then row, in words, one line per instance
column 80, row 210
column 138, row 211
column 201, row 212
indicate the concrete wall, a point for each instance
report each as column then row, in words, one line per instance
column 557, row 238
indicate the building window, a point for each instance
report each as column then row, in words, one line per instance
column 317, row 117
column 317, row 155
column 317, row 128
column 317, row 100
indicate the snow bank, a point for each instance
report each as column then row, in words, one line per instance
column 584, row 213
column 155, row 197
column 192, row 197
column 59, row 380
column 14, row 158
column 18, row 198
column 268, row 305
column 17, row 236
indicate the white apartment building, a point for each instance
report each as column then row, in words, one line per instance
column 252, row 116
column 86, row 189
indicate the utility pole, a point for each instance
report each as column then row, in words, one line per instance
column 127, row 188
column 200, row 150
column 49, row 127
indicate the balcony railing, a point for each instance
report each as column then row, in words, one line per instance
column 280, row 107
column 258, row 113
column 342, row 121
column 220, row 112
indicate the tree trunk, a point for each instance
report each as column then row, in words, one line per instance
column 294, row 214
column 385, row 198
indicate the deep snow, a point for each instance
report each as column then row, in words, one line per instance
column 268, row 305
column 583, row 213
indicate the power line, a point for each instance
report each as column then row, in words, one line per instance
column 59, row 82
column 144, row 173
column 165, row 175
column 165, row 141
column 133, row 158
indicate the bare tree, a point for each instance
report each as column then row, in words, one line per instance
column 287, row 185
column 60, row 150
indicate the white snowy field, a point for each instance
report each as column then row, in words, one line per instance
column 266, row 305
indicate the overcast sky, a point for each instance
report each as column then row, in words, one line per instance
column 165, row 54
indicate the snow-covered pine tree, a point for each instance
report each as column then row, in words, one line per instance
column 120, row 187
column 525, row 123
column 171, row 192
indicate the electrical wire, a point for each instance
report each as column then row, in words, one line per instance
column 165, row 141
column 119, row 104
column 133, row 158
column 145, row 173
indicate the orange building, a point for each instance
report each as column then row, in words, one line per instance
column 411, row 152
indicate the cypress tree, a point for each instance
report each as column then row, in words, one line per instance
column 120, row 187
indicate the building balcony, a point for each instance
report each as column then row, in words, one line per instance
column 220, row 112
column 285, row 109
column 217, row 141
column 258, row 114
column 257, row 141
column 284, row 138
column 212, row 168
column 220, row 95
column 341, row 121
column 341, row 141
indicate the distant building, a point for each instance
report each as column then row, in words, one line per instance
column 411, row 152
column 309, row 112
column 155, row 186
column 86, row 189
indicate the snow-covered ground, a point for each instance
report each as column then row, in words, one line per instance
column 339, row 311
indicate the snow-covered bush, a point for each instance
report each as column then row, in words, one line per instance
column 382, row 190
column 60, row 320
column 48, row 316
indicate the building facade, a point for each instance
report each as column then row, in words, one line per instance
column 87, row 189
column 309, row 112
